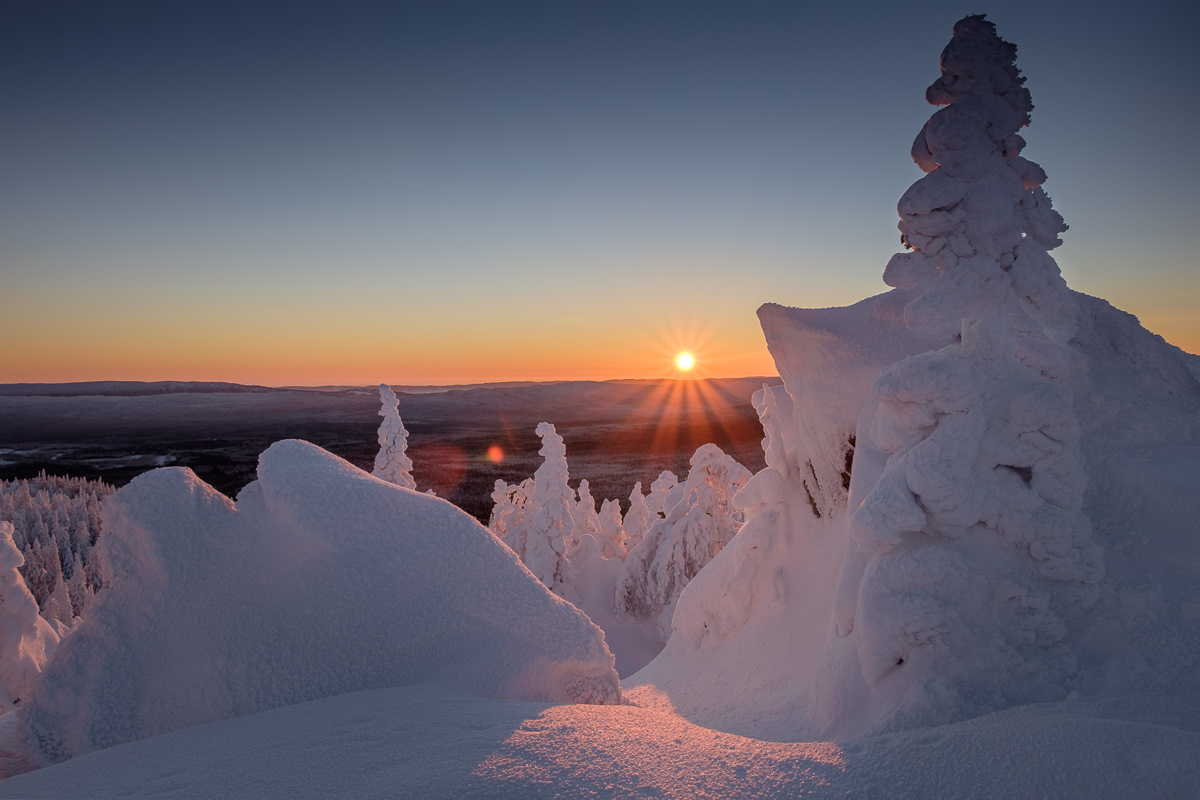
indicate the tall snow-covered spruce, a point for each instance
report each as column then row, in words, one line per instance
column 392, row 464
column 972, row 540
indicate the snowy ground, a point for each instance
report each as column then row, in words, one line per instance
column 425, row 742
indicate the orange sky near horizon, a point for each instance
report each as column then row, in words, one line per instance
column 404, row 193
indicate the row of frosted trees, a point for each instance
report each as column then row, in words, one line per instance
column 56, row 522
column 50, row 570
column 662, row 541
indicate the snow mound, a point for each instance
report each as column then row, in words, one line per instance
column 320, row 580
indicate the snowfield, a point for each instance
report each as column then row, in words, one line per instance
column 424, row 742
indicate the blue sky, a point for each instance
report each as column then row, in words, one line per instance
column 441, row 192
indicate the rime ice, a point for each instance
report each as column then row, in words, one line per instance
column 392, row 463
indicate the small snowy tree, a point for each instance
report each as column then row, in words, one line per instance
column 611, row 532
column 26, row 640
column 638, row 519
column 587, row 522
column 551, row 533
column 665, row 492
column 510, row 517
column 678, row 547
column 392, row 464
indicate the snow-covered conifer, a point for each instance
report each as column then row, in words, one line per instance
column 678, row 547
column 611, row 533
column 551, row 533
column 976, row 516
column 587, row 522
column 392, row 464
column 510, row 517
column 638, row 519
column 665, row 492
column 26, row 640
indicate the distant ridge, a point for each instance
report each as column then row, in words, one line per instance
column 453, row 387
column 150, row 388
column 126, row 388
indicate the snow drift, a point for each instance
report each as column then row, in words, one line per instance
column 320, row 580
column 980, row 487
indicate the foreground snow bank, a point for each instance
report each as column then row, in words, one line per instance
column 423, row 742
column 320, row 580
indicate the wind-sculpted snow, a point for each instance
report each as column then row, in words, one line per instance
column 320, row 580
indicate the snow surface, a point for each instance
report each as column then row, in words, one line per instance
column 427, row 742
column 321, row 580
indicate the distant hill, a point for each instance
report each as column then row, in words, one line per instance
column 150, row 388
column 126, row 388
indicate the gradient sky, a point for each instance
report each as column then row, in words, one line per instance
column 437, row 192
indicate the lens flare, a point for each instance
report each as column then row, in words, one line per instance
column 495, row 454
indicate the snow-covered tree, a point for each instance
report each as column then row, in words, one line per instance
column 56, row 523
column 511, row 513
column 638, row 519
column 392, row 464
column 665, row 492
column 976, row 514
column 26, row 640
column 586, row 519
column 551, row 532
column 611, row 533
column 676, row 548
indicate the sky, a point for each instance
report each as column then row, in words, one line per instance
column 442, row 192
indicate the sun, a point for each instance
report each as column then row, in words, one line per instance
column 685, row 361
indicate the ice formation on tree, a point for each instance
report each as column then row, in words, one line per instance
column 510, row 514
column 320, row 580
column 677, row 547
column 392, row 464
column 638, row 519
column 980, row 478
column 587, row 521
column 611, row 531
column 26, row 640
column 538, row 518
column 923, row 545
column 665, row 493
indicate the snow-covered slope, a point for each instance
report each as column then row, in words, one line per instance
column 428, row 744
column 320, row 580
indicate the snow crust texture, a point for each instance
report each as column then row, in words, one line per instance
column 320, row 580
